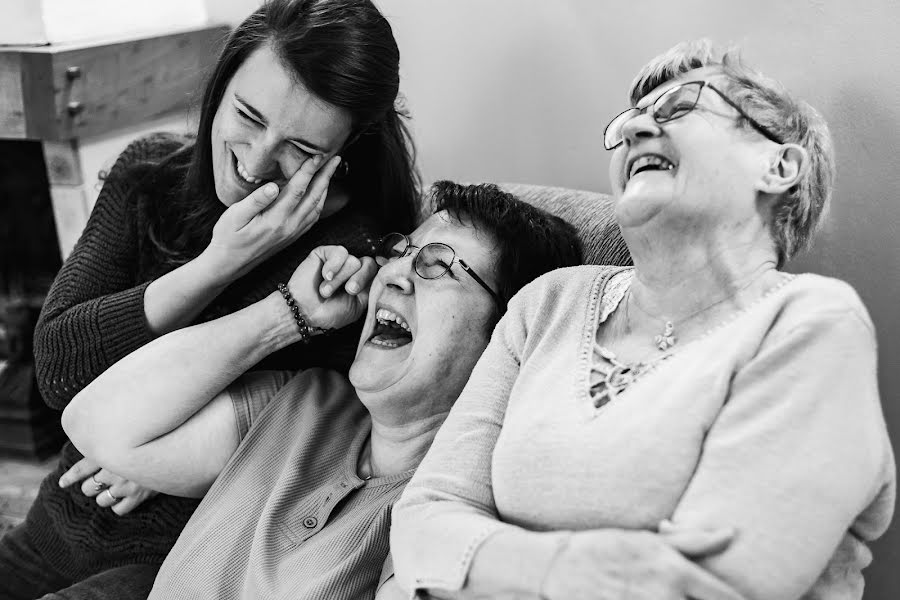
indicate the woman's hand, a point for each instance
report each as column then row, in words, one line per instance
column 332, row 286
column 613, row 563
column 110, row 490
column 266, row 221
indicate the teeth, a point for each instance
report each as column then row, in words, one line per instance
column 242, row 171
column 384, row 315
column 385, row 343
column 649, row 160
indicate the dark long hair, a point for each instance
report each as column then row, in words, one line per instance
column 344, row 52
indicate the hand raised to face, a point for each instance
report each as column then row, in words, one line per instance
column 332, row 286
column 267, row 220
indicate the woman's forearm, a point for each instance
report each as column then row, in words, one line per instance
column 511, row 563
column 160, row 386
column 175, row 299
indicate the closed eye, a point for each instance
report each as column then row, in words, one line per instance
column 245, row 116
column 304, row 151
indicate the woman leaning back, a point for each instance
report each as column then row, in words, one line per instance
column 187, row 230
column 703, row 425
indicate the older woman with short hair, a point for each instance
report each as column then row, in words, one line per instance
column 702, row 425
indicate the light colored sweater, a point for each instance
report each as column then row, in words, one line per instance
column 288, row 517
column 771, row 424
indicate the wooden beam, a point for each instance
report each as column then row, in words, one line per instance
column 79, row 90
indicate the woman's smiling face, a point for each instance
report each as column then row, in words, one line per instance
column 267, row 124
column 705, row 167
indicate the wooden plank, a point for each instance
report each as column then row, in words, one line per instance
column 82, row 90
column 63, row 163
column 70, row 213
column 37, row 81
column 12, row 109
column 124, row 84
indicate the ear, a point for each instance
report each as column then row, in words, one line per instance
column 785, row 170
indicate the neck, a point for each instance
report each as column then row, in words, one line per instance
column 676, row 275
column 394, row 448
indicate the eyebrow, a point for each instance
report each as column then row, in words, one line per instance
column 259, row 117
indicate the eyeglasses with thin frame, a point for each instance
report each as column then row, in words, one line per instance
column 675, row 103
column 432, row 260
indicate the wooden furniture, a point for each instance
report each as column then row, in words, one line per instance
column 51, row 99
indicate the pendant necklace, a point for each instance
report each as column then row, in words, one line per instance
column 667, row 339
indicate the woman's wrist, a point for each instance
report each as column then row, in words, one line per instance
column 216, row 267
column 278, row 327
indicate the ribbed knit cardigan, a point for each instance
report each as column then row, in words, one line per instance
column 94, row 315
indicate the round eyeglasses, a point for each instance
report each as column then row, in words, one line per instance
column 432, row 260
column 675, row 103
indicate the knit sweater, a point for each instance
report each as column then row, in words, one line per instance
column 289, row 517
column 770, row 423
column 94, row 315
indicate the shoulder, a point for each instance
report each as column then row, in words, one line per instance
column 561, row 288
column 151, row 148
column 816, row 300
column 313, row 397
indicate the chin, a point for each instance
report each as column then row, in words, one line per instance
column 634, row 210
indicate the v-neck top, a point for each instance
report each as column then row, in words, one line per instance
column 771, row 423
column 289, row 517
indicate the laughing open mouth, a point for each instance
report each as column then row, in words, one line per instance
column 391, row 330
column 649, row 162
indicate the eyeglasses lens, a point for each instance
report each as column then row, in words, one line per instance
column 393, row 245
column 676, row 103
column 434, row 260
column 672, row 105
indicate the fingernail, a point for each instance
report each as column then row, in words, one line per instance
column 665, row 524
column 326, row 290
column 328, row 275
column 317, row 159
column 270, row 189
column 352, row 287
column 61, row 482
column 337, row 162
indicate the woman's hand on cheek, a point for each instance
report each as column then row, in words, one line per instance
column 616, row 563
column 110, row 490
column 332, row 286
column 269, row 219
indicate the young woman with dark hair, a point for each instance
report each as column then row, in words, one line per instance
column 300, row 144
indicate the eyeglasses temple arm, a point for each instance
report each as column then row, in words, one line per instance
column 500, row 304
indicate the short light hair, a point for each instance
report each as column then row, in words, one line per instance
column 797, row 214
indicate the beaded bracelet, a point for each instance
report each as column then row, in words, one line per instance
column 306, row 332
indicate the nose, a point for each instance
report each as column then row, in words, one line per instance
column 640, row 126
column 267, row 160
column 398, row 275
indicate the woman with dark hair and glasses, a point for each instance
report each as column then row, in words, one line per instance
column 701, row 425
column 300, row 143
column 299, row 470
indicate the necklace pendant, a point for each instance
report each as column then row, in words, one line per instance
column 667, row 338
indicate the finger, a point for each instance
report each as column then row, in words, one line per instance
column 83, row 468
column 698, row 543
column 257, row 201
column 311, row 204
column 350, row 267
column 127, row 504
column 300, row 182
column 700, row 584
column 334, row 257
column 362, row 279
column 109, row 497
column 99, row 481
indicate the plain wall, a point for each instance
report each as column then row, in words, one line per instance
column 520, row 90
